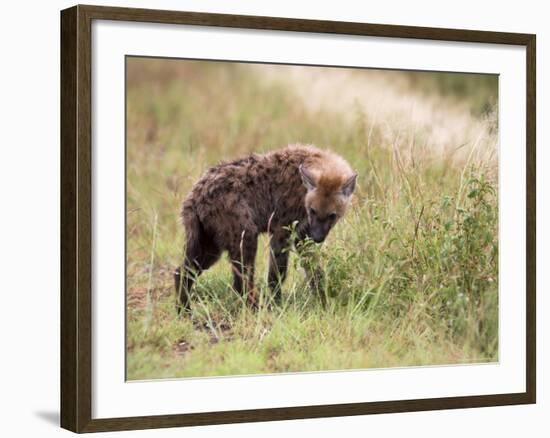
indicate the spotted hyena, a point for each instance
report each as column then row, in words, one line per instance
column 233, row 202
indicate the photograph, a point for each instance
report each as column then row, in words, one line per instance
column 297, row 218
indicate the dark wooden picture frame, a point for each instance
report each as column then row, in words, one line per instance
column 76, row 218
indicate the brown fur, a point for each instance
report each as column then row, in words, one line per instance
column 235, row 201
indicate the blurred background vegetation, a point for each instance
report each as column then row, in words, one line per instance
column 479, row 91
column 412, row 269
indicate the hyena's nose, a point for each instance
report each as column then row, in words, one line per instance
column 318, row 239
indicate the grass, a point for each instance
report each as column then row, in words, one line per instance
column 412, row 270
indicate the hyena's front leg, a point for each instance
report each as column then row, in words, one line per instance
column 242, row 261
column 278, row 263
column 314, row 273
column 316, row 278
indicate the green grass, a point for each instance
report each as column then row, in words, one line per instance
column 412, row 269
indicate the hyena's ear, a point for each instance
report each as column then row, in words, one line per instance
column 349, row 185
column 307, row 178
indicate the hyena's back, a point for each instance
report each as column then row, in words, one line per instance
column 252, row 195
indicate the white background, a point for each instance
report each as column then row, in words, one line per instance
column 29, row 187
column 112, row 397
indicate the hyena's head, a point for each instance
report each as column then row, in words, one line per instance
column 329, row 191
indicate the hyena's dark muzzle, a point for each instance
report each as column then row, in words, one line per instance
column 318, row 229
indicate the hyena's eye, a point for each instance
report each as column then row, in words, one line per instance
column 312, row 212
column 332, row 217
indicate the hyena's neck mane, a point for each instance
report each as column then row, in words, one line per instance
column 329, row 170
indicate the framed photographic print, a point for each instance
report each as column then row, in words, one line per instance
column 269, row 218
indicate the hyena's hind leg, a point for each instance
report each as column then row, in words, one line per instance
column 278, row 263
column 194, row 264
column 243, row 255
column 201, row 252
